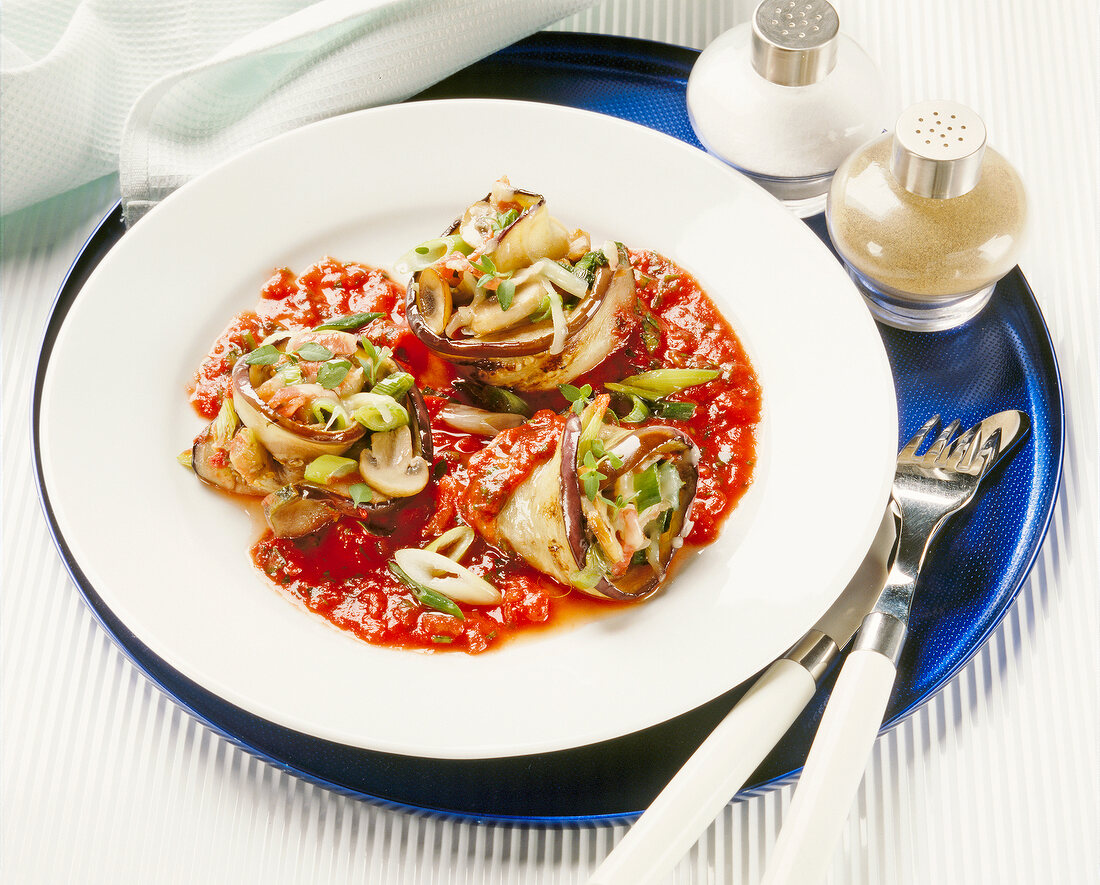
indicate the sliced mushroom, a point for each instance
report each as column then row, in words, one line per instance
column 433, row 301
column 390, row 465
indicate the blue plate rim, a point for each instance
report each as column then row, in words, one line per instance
column 109, row 229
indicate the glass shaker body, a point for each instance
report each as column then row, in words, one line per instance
column 789, row 139
column 925, row 263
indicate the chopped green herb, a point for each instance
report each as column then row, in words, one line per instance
column 579, row 397
column 590, row 475
column 312, row 352
column 486, row 265
column 651, row 332
column 505, row 288
column 361, row 493
column 250, row 341
column 263, row 356
column 442, row 640
column 586, row 266
column 332, row 373
column 504, row 219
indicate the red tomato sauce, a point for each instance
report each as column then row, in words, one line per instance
column 342, row 572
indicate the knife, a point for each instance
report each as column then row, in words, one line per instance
column 852, row 719
column 724, row 761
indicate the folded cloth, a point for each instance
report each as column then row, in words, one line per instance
column 162, row 91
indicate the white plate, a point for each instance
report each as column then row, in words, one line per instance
column 169, row 556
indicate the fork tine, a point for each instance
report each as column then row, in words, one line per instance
column 936, row 452
column 964, row 450
column 989, row 450
column 915, row 443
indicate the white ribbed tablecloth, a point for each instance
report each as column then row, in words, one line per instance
column 995, row 780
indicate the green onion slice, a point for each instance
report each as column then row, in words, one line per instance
column 378, row 413
column 595, row 567
column 430, row 251
column 425, row 595
column 663, row 382
column 325, row 468
column 394, row 385
column 453, row 543
column 349, row 322
column 639, row 411
column 647, row 488
column 329, row 413
column 673, row 410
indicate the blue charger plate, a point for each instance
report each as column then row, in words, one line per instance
column 1002, row 359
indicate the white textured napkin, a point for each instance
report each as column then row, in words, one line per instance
column 163, row 90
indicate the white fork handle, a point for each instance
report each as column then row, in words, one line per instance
column 710, row 778
column 833, row 771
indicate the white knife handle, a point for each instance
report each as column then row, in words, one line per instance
column 833, row 771
column 710, row 778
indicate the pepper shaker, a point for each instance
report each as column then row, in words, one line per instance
column 928, row 218
column 785, row 98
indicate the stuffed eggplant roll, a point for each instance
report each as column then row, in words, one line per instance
column 514, row 295
column 604, row 513
column 323, row 424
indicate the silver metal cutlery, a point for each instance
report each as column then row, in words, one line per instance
column 928, row 489
column 875, row 603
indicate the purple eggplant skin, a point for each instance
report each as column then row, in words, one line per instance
column 648, row 439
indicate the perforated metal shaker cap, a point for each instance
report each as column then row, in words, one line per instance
column 938, row 149
column 794, row 41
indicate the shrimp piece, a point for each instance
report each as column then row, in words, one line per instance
column 252, row 462
column 340, row 343
column 287, row 401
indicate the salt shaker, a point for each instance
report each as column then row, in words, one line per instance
column 785, row 98
column 928, row 218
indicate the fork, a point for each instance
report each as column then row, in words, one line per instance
column 927, row 490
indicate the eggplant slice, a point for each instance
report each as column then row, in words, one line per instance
column 256, row 448
column 548, row 519
column 535, row 342
column 301, row 508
